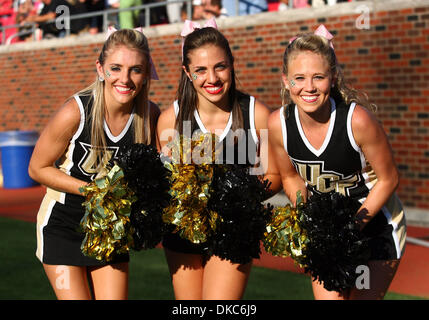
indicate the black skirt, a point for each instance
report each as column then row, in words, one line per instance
column 59, row 239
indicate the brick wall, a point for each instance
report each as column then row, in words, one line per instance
column 390, row 61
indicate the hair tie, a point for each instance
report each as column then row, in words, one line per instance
column 292, row 39
column 321, row 31
column 191, row 26
column 153, row 73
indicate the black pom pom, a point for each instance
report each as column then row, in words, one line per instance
column 237, row 197
column 148, row 178
column 336, row 246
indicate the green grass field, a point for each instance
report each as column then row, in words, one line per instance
column 23, row 278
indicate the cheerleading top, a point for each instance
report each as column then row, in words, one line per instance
column 245, row 152
column 58, row 219
column 340, row 165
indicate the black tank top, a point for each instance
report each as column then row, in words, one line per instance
column 339, row 164
column 79, row 160
column 242, row 150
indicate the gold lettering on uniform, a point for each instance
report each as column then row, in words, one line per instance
column 327, row 181
column 334, row 182
column 348, row 183
column 314, row 174
column 91, row 165
column 302, row 170
column 322, row 181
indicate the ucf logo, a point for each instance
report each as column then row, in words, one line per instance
column 314, row 173
column 89, row 165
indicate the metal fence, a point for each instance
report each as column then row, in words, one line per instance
column 64, row 20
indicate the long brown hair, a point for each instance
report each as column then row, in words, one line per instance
column 186, row 94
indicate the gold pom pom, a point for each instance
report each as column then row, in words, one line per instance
column 191, row 175
column 106, row 222
column 284, row 235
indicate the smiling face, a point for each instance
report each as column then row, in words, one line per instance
column 210, row 72
column 308, row 81
column 124, row 72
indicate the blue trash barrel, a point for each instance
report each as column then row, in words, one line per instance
column 16, row 148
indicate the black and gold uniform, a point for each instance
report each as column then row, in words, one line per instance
column 340, row 165
column 58, row 238
column 244, row 152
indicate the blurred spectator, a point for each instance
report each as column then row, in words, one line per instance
column 213, row 9
column 47, row 13
column 273, row 5
column 158, row 15
column 34, row 12
column 80, row 25
column 96, row 23
column 301, row 4
column 184, row 12
column 197, row 11
column 321, row 3
column 283, row 5
column 129, row 19
column 113, row 4
column 7, row 18
column 173, row 12
column 332, row 2
column 245, row 7
column 317, row 3
column 25, row 9
column 113, row 18
column 6, row 9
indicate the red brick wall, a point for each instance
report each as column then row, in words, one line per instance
column 390, row 61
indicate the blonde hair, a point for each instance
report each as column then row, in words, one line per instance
column 320, row 45
column 141, row 122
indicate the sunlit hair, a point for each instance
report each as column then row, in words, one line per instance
column 131, row 39
column 186, row 94
column 320, row 45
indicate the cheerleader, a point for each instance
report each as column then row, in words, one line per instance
column 208, row 101
column 325, row 137
column 85, row 133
